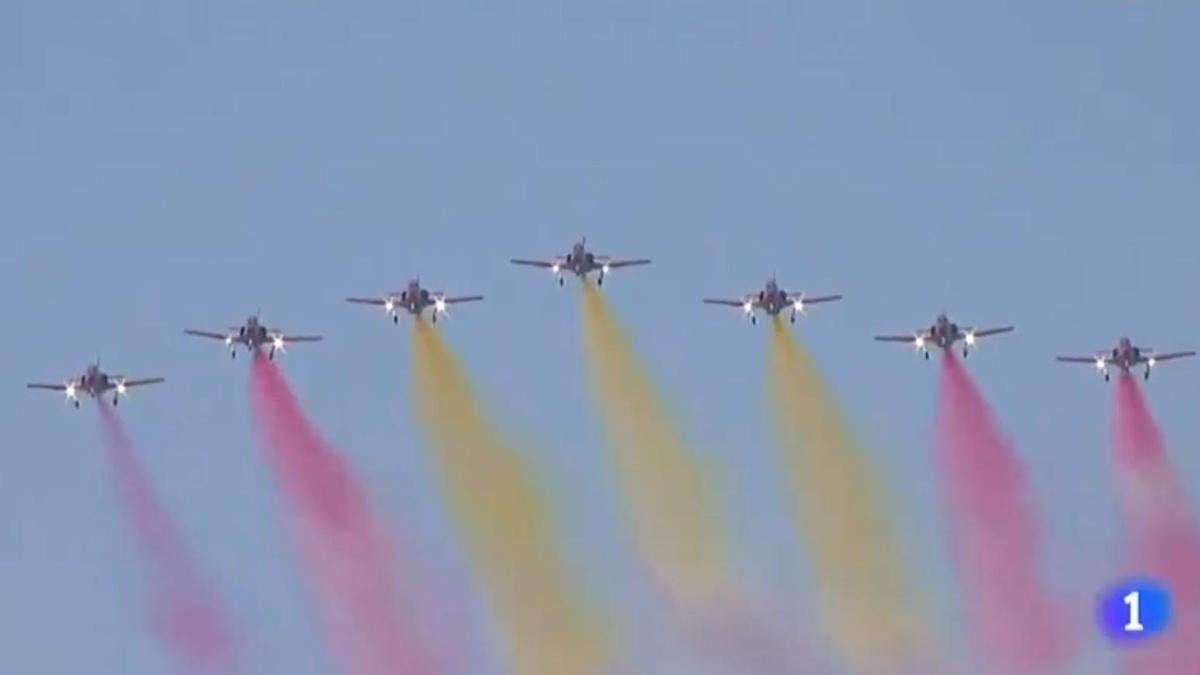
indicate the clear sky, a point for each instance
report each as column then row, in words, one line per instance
column 171, row 164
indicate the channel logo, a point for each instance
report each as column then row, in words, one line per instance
column 1134, row 610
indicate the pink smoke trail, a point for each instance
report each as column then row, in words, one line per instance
column 185, row 612
column 371, row 621
column 1164, row 541
column 1016, row 625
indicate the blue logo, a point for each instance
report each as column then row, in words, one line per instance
column 1134, row 610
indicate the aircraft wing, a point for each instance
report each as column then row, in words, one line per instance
column 612, row 264
column 462, row 298
column 368, row 301
column 143, row 381
column 897, row 338
column 207, row 334
column 820, row 298
column 300, row 338
column 51, row 387
column 995, row 331
column 723, row 301
column 1173, row 355
column 536, row 263
column 1083, row 359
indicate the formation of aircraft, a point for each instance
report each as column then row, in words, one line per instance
column 773, row 299
column 1126, row 356
column 944, row 333
column 252, row 335
column 414, row 299
column 95, row 383
column 581, row 262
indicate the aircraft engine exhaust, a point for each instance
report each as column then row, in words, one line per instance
column 368, row 608
column 666, row 489
column 186, row 613
column 670, row 497
column 1016, row 624
column 506, row 520
column 1162, row 534
column 863, row 589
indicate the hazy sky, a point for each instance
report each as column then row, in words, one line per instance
column 171, row 164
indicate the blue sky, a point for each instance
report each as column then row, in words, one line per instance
column 167, row 165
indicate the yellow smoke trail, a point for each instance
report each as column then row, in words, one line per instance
column 863, row 591
column 667, row 492
column 509, row 532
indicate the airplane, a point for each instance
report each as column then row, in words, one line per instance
column 1125, row 356
column 944, row 333
column 582, row 262
column 772, row 299
column 252, row 335
column 95, row 383
column 414, row 300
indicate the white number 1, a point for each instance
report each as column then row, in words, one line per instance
column 1135, row 614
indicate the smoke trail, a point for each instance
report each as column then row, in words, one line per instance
column 863, row 588
column 1164, row 539
column 370, row 619
column 185, row 612
column 740, row 638
column 1017, row 626
column 669, row 497
column 673, row 514
column 509, row 529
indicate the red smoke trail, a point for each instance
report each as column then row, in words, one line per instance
column 186, row 613
column 1163, row 538
column 371, row 621
column 1016, row 625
